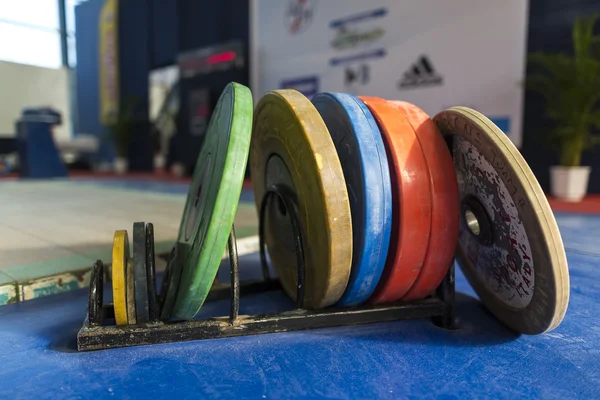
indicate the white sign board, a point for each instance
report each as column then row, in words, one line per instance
column 435, row 54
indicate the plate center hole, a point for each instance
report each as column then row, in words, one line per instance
column 472, row 222
column 477, row 220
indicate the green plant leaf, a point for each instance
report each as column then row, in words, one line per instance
column 570, row 87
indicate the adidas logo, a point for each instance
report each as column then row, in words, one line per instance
column 420, row 74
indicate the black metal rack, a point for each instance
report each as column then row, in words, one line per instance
column 99, row 332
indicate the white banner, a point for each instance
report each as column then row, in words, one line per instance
column 435, row 54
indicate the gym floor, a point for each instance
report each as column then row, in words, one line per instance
column 53, row 231
column 403, row 359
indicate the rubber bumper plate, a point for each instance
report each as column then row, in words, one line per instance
column 291, row 147
column 411, row 199
column 140, row 272
column 120, row 257
column 130, row 283
column 445, row 209
column 509, row 246
column 211, row 204
column 151, row 273
column 361, row 152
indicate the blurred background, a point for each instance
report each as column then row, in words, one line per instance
column 100, row 95
column 131, row 83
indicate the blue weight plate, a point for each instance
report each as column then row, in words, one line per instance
column 362, row 154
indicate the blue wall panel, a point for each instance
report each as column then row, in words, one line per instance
column 87, row 78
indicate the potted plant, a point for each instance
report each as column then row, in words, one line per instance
column 120, row 131
column 570, row 86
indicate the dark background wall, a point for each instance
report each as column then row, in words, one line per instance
column 153, row 32
column 151, row 35
column 135, row 49
column 550, row 24
column 164, row 32
column 203, row 23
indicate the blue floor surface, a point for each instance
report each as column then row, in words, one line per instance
column 404, row 359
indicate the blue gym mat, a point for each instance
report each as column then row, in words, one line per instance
column 403, row 359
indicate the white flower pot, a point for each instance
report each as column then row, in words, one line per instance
column 159, row 162
column 121, row 165
column 178, row 170
column 569, row 183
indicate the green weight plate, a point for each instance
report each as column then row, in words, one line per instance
column 509, row 246
column 211, row 204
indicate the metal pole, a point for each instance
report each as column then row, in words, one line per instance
column 62, row 17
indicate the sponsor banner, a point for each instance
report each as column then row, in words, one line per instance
column 420, row 74
column 464, row 53
column 363, row 56
column 109, row 61
column 309, row 86
column 298, row 15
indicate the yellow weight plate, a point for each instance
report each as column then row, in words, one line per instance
column 120, row 255
column 131, row 318
column 291, row 146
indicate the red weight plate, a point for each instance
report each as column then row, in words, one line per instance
column 445, row 212
column 411, row 202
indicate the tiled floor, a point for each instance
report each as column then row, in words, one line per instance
column 49, row 228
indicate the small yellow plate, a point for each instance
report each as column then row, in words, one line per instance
column 120, row 255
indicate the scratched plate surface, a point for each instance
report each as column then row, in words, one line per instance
column 211, row 204
column 411, row 202
column 521, row 272
column 445, row 209
column 361, row 151
column 140, row 285
column 292, row 147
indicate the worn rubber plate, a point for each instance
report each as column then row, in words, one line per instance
column 120, row 255
column 445, row 209
column 151, row 273
column 411, row 199
column 211, row 204
column 509, row 246
column 362, row 154
column 292, row 147
column 130, row 278
column 140, row 272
